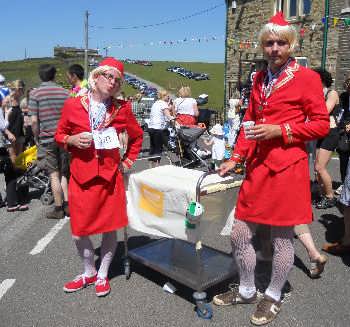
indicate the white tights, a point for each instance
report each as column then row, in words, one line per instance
column 86, row 252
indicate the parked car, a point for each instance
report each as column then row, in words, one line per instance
column 202, row 77
column 202, row 99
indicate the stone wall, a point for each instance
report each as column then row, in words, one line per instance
column 343, row 58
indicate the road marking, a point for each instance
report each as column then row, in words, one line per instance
column 5, row 286
column 41, row 244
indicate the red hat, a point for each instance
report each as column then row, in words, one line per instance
column 278, row 19
column 112, row 62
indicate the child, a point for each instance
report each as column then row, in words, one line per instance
column 234, row 119
column 217, row 143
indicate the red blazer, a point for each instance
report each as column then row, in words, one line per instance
column 86, row 164
column 297, row 104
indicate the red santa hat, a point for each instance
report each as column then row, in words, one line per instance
column 278, row 19
column 114, row 63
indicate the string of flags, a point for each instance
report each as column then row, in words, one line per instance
column 166, row 42
column 235, row 43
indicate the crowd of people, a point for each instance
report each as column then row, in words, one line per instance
column 77, row 133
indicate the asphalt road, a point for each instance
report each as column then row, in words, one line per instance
column 38, row 255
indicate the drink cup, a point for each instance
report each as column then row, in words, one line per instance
column 246, row 126
column 87, row 135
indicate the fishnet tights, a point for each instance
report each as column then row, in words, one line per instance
column 283, row 257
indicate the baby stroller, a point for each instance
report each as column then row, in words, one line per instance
column 183, row 141
column 33, row 176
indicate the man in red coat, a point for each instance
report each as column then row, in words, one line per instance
column 89, row 129
column 287, row 108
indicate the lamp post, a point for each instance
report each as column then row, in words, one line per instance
column 325, row 34
column 233, row 9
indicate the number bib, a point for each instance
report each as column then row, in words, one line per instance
column 106, row 138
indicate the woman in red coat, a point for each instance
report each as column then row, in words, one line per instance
column 288, row 108
column 89, row 129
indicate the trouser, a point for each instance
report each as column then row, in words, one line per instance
column 343, row 163
column 15, row 194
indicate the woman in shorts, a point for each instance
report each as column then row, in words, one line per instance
column 327, row 145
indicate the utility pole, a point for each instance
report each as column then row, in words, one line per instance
column 325, row 34
column 225, row 66
column 86, row 43
column 106, row 48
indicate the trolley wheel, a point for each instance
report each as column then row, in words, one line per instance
column 204, row 311
column 127, row 270
column 46, row 199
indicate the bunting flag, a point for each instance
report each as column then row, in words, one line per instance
column 335, row 21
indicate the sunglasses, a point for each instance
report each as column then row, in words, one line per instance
column 270, row 43
column 111, row 77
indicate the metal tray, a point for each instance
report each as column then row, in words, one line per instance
column 180, row 261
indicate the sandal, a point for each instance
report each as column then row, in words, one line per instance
column 13, row 209
column 23, row 207
column 317, row 266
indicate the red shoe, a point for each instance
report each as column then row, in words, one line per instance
column 78, row 283
column 102, row 287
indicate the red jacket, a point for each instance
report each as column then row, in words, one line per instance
column 86, row 164
column 297, row 104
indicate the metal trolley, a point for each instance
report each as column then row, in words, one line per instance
column 192, row 264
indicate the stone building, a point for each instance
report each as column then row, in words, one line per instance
column 245, row 18
column 72, row 52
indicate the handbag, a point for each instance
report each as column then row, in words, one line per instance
column 343, row 142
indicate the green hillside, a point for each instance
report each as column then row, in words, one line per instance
column 172, row 81
column 27, row 70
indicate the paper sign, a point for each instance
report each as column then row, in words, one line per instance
column 151, row 200
column 106, row 138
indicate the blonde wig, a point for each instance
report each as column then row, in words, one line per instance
column 287, row 33
column 99, row 71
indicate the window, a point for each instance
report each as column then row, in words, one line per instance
column 293, row 8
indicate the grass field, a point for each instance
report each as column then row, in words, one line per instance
column 27, row 71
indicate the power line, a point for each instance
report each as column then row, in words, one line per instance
column 175, row 20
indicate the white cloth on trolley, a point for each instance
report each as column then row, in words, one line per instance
column 158, row 199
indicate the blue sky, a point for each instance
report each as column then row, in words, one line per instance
column 39, row 25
